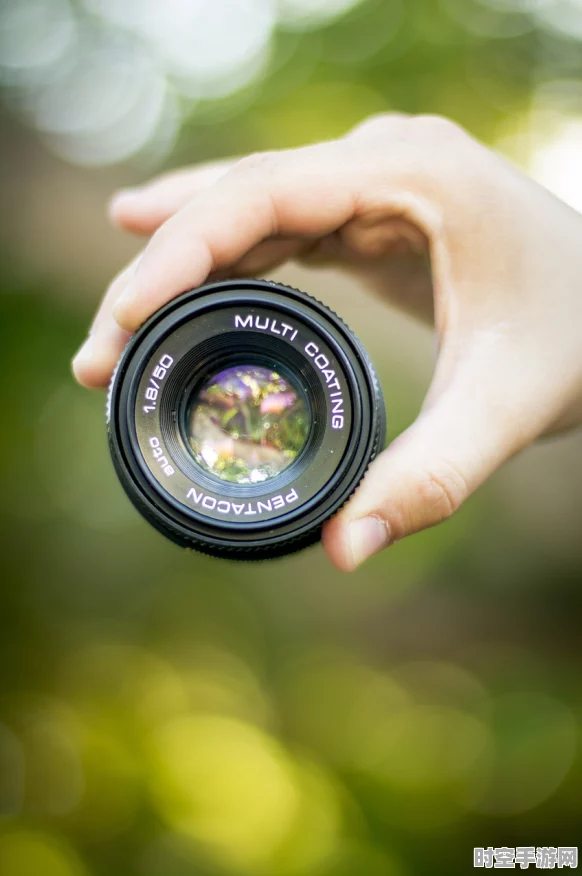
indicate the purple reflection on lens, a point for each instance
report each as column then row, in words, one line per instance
column 247, row 423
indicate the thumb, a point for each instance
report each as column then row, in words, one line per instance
column 460, row 437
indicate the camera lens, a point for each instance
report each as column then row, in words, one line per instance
column 247, row 423
column 241, row 417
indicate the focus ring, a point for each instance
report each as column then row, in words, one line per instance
column 206, row 536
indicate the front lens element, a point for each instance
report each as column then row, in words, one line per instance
column 247, row 423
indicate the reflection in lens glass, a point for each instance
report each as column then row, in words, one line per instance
column 247, row 423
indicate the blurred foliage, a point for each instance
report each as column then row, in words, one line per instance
column 247, row 423
column 164, row 714
column 103, row 80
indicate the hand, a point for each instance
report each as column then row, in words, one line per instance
column 398, row 193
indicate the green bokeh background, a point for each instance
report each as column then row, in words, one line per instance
column 164, row 714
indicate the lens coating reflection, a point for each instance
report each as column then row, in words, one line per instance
column 247, row 423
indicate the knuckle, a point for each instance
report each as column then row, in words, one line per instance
column 421, row 498
column 441, row 491
column 436, row 127
column 256, row 163
column 380, row 124
column 417, row 131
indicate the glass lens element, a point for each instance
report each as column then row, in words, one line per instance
column 247, row 423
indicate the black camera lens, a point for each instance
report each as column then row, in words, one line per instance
column 241, row 417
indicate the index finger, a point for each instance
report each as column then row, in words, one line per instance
column 143, row 209
column 305, row 192
column 308, row 192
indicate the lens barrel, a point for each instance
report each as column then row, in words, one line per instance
column 241, row 417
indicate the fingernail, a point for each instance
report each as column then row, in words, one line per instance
column 367, row 536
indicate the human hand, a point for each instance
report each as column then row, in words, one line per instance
column 503, row 288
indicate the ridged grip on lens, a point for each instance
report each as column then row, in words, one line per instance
column 217, row 543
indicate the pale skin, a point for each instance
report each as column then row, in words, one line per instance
column 439, row 226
